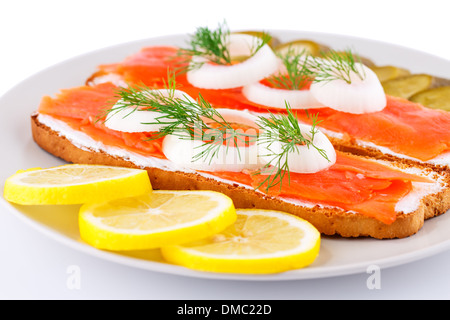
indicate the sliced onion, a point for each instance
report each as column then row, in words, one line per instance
column 360, row 96
column 182, row 150
column 277, row 98
column 304, row 159
column 263, row 63
column 130, row 119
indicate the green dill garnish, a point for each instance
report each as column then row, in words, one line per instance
column 184, row 118
column 284, row 128
column 297, row 73
column 190, row 119
column 333, row 65
column 212, row 46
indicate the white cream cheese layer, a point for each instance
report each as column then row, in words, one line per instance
column 408, row 204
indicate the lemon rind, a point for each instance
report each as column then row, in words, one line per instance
column 103, row 237
column 282, row 261
column 133, row 184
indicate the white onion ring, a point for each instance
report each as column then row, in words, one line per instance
column 182, row 150
column 277, row 98
column 306, row 160
column 263, row 63
column 127, row 119
column 359, row 96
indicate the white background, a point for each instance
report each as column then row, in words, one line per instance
column 38, row 34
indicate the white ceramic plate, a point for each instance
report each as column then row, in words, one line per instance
column 338, row 256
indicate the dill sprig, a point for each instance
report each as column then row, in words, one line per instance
column 284, row 128
column 212, row 46
column 190, row 119
column 334, row 65
column 141, row 98
column 184, row 118
column 297, row 72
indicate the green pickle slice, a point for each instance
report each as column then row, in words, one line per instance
column 436, row 98
column 407, row 86
column 386, row 73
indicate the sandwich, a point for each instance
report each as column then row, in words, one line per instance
column 331, row 147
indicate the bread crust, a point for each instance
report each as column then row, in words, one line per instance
column 329, row 221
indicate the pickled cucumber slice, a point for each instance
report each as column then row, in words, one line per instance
column 385, row 73
column 440, row 82
column 298, row 46
column 407, row 86
column 436, row 98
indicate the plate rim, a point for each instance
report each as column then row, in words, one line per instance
column 162, row 267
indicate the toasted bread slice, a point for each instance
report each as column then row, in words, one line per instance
column 328, row 220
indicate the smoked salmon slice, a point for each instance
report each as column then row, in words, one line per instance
column 402, row 126
column 363, row 186
column 149, row 66
column 81, row 102
column 83, row 108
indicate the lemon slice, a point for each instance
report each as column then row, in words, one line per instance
column 154, row 220
column 75, row 184
column 260, row 241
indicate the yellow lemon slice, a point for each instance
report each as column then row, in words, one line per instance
column 75, row 184
column 260, row 241
column 154, row 220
